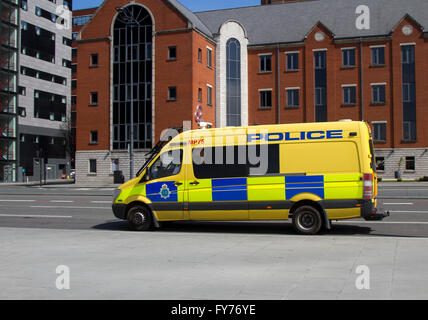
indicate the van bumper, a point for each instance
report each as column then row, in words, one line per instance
column 370, row 213
column 119, row 210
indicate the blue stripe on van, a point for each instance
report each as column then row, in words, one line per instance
column 235, row 195
column 304, row 179
column 228, row 182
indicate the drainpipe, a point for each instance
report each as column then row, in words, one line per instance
column 278, row 93
column 361, row 79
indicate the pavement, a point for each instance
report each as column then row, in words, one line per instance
column 165, row 265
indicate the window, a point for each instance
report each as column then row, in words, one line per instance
column 52, row 116
column 200, row 55
column 74, row 35
column 380, row 163
column 73, row 84
column 172, row 93
column 94, row 98
column 74, row 52
column 378, row 56
column 233, row 82
column 409, row 92
column 22, row 91
column 378, row 94
column 168, row 164
column 94, row 60
column 320, row 96
column 172, row 53
column 73, row 100
column 92, row 166
column 410, row 163
column 320, row 59
column 24, row 5
column 379, row 131
column 200, row 95
column 265, row 99
column 209, row 95
column 265, row 63
column 292, row 61
column 408, row 54
column 348, row 57
column 292, row 98
column 22, row 112
column 209, row 57
column 235, row 161
column 38, row 11
column 80, row 21
column 349, row 95
column 93, row 137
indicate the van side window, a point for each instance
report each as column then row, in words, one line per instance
column 168, row 164
column 235, row 161
column 219, row 162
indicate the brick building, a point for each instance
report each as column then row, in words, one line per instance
column 301, row 61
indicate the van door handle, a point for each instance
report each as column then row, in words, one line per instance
column 177, row 183
column 194, row 183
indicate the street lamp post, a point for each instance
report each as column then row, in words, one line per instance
column 127, row 18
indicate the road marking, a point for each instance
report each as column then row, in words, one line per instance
column 382, row 222
column 397, row 203
column 33, row 216
column 61, row 201
column 101, row 201
column 409, row 211
column 70, row 207
column 17, row 200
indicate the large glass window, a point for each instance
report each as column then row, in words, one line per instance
column 132, row 78
column 233, row 79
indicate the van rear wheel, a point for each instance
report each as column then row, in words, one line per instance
column 307, row 220
column 139, row 218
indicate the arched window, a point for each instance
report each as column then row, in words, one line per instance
column 132, row 78
column 233, row 82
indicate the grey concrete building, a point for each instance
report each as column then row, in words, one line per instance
column 44, row 89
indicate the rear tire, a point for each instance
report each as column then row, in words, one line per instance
column 140, row 218
column 307, row 220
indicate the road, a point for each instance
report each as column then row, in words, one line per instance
column 80, row 208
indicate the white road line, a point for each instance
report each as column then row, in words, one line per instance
column 381, row 222
column 70, row 207
column 1, row 200
column 61, row 201
column 397, row 203
column 401, row 211
column 33, row 216
column 100, row 201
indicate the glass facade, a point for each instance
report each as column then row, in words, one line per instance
column 409, row 92
column 320, row 86
column 233, row 80
column 9, row 31
column 132, row 78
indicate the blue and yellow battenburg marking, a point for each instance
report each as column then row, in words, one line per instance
column 304, row 184
column 162, row 192
column 234, row 189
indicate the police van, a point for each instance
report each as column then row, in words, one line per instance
column 311, row 173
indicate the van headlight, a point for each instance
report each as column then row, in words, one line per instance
column 116, row 194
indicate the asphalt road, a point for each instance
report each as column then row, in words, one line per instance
column 80, row 208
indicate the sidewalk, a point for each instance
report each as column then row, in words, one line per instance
column 183, row 265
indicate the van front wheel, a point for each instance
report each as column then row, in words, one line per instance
column 307, row 220
column 139, row 218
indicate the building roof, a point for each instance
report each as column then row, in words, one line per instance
column 291, row 22
column 191, row 17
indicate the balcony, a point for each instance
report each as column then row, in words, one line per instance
column 9, row 15
column 7, row 64
column 9, row 41
column 5, row 108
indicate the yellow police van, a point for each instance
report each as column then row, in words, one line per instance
column 311, row 173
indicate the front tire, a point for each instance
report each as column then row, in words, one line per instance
column 140, row 218
column 307, row 220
